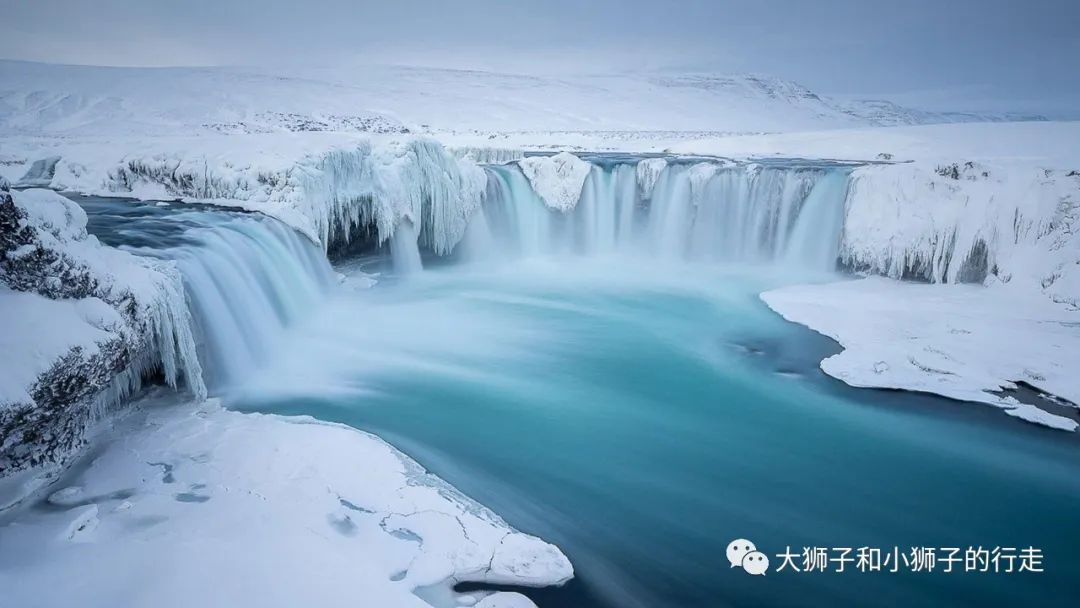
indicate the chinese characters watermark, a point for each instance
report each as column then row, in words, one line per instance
column 743, row 553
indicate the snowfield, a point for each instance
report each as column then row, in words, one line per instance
column 77, row 100
column 195, row 505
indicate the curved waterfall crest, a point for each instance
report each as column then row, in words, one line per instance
column 245, row 280
column 704, row 211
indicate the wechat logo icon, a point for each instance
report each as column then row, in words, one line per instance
column 744, row 554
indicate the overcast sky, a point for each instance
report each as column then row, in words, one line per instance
column 954, row 54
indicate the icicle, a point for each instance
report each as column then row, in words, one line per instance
column 363, row 188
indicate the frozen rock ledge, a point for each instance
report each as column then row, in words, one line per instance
column 965, row 342
column 199, row 506
column 557, row 179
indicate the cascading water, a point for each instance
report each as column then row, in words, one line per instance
column 704, row 211
column 404, row 249
column 246, row 277
column 246, row 280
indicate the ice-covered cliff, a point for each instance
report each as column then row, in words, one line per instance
column 967, row 222
column 332, row 189
column 83, row 325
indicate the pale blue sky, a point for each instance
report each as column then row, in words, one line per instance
column 958, row 54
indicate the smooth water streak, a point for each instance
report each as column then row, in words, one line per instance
column 697, row 212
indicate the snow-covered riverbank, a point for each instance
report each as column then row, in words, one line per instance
column 965, row 342
column 193, row 504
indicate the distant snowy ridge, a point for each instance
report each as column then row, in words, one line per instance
column 83, row 324
column 40, row 99
column 885, row 113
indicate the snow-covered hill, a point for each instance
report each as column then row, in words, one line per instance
column 80, row 100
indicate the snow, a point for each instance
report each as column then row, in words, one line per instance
column 201, row 506
column 959, row 341
column 557, row 179
column 82, row 100
column 1022, row 224
column 155, row 286
column 648, row 173
column 30, row 350
column 82, row 325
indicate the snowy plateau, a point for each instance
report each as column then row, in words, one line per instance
column 961, row 233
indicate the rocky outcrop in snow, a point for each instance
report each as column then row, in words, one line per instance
column 83, row 324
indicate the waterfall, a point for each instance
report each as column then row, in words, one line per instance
column 816, row 235
column 515, row 214
column 703, row 211
column 404, row 250
column 246, row 279
column 604, row 217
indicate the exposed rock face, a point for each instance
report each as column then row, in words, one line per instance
column 122, row 318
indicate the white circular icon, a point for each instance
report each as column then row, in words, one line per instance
column 737, row 549
column 756, row 563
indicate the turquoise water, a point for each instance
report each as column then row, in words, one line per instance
column 641, row 417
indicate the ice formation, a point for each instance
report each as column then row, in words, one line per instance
column 648, row 172
column 488, row 156
column 944, row 223
column 556, row 179
column 376, row 188
column 966, row 222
